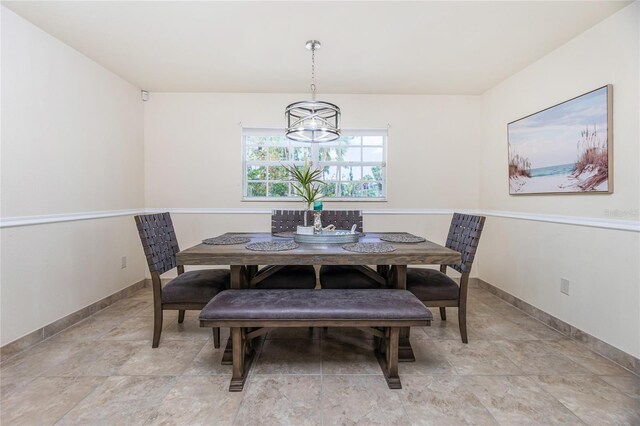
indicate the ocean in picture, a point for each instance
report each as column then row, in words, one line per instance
column 563, row 169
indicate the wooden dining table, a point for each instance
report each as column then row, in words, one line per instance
column 391, row 267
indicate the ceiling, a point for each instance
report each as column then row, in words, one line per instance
column 382, row 47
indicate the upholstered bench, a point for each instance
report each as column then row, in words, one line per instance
column 252, row 313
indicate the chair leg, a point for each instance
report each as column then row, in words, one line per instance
column 216, row 337
column 157, row 326
column 180, row 316
column 462, row 320
column 443, row 313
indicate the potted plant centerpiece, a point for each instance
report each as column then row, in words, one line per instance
column 308, row 185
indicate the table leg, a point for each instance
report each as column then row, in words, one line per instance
column 237, row 280
column 405, row 352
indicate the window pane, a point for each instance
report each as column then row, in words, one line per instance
column 372, row 189
column 373, row 140
column 256, row 173
column 278, row 153
column 339, row 154
column 330, row 173
column 301, row 153
column 278, row 173
column 256, row 189
column 257, row 153
column 349, row 189
column 278, row 189
column 329, row 189
column 350, row 173
column 372, row 173
column 372, row 154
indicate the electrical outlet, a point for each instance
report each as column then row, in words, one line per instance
column 564, row 286
column 123, row 262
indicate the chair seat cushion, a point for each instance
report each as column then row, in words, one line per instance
column 289, row 278
column 429, row 284
column 196, row 286
column 345, row 277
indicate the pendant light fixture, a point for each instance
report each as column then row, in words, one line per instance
column 313, row 121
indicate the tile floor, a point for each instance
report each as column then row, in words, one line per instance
column 514, row 371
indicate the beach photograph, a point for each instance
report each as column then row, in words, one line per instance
column 563, row 149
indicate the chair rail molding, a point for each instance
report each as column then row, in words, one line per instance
column 592, row 222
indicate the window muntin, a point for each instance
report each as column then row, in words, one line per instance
column 354, row 166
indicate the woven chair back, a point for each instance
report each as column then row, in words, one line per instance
column 464, row 235
column 158, row 240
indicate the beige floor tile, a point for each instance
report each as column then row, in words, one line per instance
column 46, row 400
column 340, row 357
column 89, row 329
column 536, row 357
column 171, row 358
column 590, row 360
column 282, row 356
column 442, row 400
column 189, row 330
column 97, row 359
column 629, row 385
column 516, row 400
column 479, row 357
column 592, row 399
column 11, row 384
column 121, row 401
column 364, row 400
column 138, row 329
column 40, row 358
column 203, row 400
column 207, row 362
column 281, row 400
column 497, row 328
column 537, row 329
column 429, row 360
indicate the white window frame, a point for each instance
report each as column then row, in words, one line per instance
column 315, row 149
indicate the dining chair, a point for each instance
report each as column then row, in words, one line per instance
column 189, row 290
column 347, row 276
column 278, row 277
column 435, row 288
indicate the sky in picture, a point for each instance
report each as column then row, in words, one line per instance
column 550, row 137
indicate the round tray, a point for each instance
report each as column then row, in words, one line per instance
column 328, row 237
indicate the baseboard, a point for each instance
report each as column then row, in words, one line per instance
column 592, row 343
column 13, row 348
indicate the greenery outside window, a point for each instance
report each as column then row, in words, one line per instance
column 353, row 167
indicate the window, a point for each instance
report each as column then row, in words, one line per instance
column 354, row 166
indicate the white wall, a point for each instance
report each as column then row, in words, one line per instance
column 193, row 156
column 72, row 141
column 527, row 259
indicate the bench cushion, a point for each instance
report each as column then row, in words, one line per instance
column 315, row 305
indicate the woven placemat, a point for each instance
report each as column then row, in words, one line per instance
column 369, row 247
column 402, row 238
column 225, row 240
column 285, row 234
column 272, row 245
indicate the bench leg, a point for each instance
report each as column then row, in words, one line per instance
column 242, row 358
column 389, row 359
column 216, row 337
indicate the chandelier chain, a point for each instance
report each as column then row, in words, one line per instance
column 313, row 72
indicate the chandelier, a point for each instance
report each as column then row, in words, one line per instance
column 312, row 121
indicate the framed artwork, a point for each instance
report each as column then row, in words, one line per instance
column 565, row 148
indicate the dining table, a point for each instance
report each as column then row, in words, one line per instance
column 390, row 266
